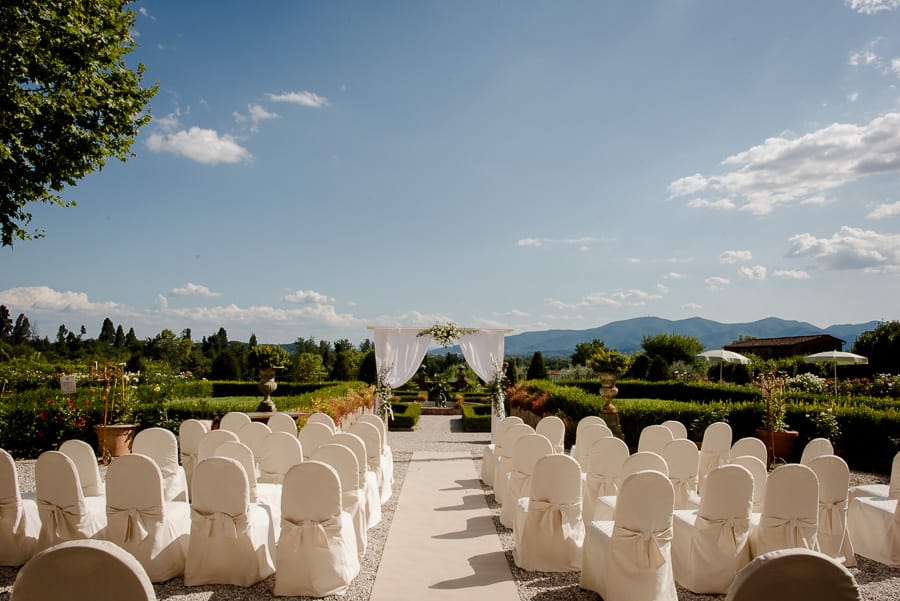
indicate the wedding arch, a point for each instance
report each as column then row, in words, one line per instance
column 399, row 352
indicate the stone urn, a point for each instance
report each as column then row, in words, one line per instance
column 267, row 385
column 609, row 412
column 114, row 440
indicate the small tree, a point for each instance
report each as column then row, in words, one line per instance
column 512, row 372
column 536, row 369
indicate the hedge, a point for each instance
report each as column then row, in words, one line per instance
column 698, row 392
column 223, row 388
column 406, row 416
column 476, row 418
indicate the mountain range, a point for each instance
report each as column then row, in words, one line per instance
column 626, row 335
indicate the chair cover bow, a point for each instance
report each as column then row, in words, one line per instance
column 569, row 515
column 601, row 485
column 684, row 486
column 832, row 515
column 519, row 483
column 311, row 532
column 134, row 527
column 648, row 544
column 58, row 516
column 801, row 531
column 218, row 522
column 730, row 532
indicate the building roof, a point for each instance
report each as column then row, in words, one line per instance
column 751, row 343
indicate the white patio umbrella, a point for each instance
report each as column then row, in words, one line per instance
column 721, row 356
column 838, row 358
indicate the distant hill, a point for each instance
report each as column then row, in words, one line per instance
column 626, row 335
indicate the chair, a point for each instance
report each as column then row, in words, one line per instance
column 387, row 455
column 489, row 459
column 317, row 553
column 252, row 435
column 629, row 559
column 312, row 436
column 82, row 455
column 874, row 526
column 816, row 448
column 142, row 522
column 605, row 509
column 548, row 530
column 654, row 438
column 211, row 441
column 161, row 446
column 760, row 473
column 526, row 451
column 834, row 480
column 712, row 544
column 714, row 450
column 278, row 453
column 369, row 435
column 233, row 421
column 603, row 469
column 791, row 574
column 682, row 459
column 790, row 510
column 353, row 500
column 66, row 514
column 505, row 461
column 232, row 541
column 324, row 419
column 283, row 422
column 83, row 570
column 20, row 523
column 189, row 434
column 555, row 430
column 585, row 439
column 891, row 491
column 266, row 494
column 749, row 445
column 584, row 422
column 367, row 480
column 676, row 428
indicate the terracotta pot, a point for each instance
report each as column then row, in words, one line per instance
column 114, row 439
column 783, row 443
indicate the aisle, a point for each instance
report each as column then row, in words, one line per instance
column 442, row 543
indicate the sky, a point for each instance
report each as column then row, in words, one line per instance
column 314, row 168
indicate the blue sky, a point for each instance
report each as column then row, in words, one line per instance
column 313, row 168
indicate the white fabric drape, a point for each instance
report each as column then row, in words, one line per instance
column 483, row 351
column 400, row 351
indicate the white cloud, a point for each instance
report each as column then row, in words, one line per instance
column 194, row 290
column 201, row 145
column 162, row 303
column 716, row 282
column 895, row 66
column 871, row 7
column 674, row 275
column 784, row 170
column 632, row 260
column 44, row 298
column 582, row 242
column 145, row 13
column 850, row 248
column 307, row 297
column 412, row 318
column 885, row 210
column 512, row 313
column 723, row 204
column 733, row 256
column 662, row 288
column 558, row 304
column 692, row 306
column 631, row 297
column 757, row 272
column 309, row 99
column 791, row 274
column 863, row 57
column 255, row 114
column 853, row 97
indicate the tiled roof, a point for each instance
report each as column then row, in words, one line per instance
column 784, row 341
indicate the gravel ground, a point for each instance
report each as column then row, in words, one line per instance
column 444, row 433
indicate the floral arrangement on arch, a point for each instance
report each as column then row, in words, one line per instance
column 445, row 333
column 495, row 387
column 383, row 394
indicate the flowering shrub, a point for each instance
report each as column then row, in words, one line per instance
column 806, row 383
column 60, row 420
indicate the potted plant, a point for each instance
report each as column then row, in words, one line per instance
column 268, row 358
column 611, row 364
column 775, row 431
column 115, row 425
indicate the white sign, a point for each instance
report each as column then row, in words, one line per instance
column 67, row 384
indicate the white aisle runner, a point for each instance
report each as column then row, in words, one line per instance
column 442, row 543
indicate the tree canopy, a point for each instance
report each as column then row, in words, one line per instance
column 68, row 101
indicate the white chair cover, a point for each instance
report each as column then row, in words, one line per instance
column 371, row 497
column 584, row 422
column 790, row 511
column 59, row 573
column 266, row 494
column 714, row 451
column 282, row 422
column 353, row 499
column 874, row 525
column 630, row 559
column 654, row 438
column 387, row 455
column 712, row 544
column 317, row 551
column 603, row 470
column 142, row 522
column 253, row 435
column 816, row 448
column 505, row 460
column 232, row 541
column 749, row 445
column 211, row 441
column 324, row 419
column 20, row 523
column 82, row 455
column 161, row 446
column 312, row 436
column 369, row 435
column 189, row 434
column 66, row 514
column 792, row 574
column 677, row 429
column 757, row 469
column 555, row 430
column 526, row 451
column 891, row 491
column 489, row 459
column 548, row 530
column 683, row 459
column 605, row 509
column 233, row 421
column 279, row 452
column 585, row 440
column 834, row 480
